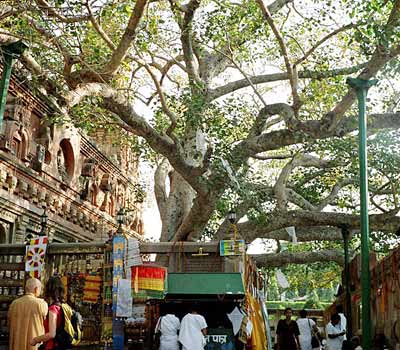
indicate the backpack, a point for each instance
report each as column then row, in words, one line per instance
column 69, row 333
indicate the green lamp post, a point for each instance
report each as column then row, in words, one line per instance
column 11, row 52
column 361, row 87
column 349, row 316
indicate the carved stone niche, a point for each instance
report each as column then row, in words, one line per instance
column 16, row 133
column 88, row 167
column 39, row 158
column 65, row 161
column 106, row 184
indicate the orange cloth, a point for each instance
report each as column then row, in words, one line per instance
column 25, row 320
column 258, row 336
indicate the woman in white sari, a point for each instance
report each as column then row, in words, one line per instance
column 306, row 328
column 169, row 326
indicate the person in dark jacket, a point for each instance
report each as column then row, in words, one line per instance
column 287, row 333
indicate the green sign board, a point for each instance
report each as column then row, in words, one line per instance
column 220, row 339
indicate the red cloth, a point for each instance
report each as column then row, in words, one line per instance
column 148, row 277
column 55, row 309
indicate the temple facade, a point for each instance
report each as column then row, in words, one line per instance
column 79, row 181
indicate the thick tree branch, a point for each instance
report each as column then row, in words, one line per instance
column 387, row 222
column 312, row 130
column 282, row 109
column 380, row 58
column 323, row 40
column 272, row 156
column 295, row 198
column 271, row 141
column 291, row 70
column 160, row 178
column 303, row 160
column 285, row 258
column 127, row 38
column 277, row 5
column 335, row 190
column 212, row 64
column 195, row 221
column 119, row 105
column 172, row 117
column 51, row 38
column 303, row 234
column 187, row 41
column 269, row 78
column 99, row 29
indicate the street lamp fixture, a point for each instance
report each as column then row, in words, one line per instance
column 232, row 217
column 43, row 223
column 11, row 52
column 120, row 220
column 121, row 216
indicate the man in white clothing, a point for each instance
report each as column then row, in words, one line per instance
column 193, row 330
column 335, row 333
column 343, row 319
column 169, row 326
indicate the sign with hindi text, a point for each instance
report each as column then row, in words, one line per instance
column 232, row 247
column 220, row 339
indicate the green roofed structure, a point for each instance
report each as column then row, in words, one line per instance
column 205, row 285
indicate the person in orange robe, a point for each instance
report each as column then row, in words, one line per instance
column 26, row 315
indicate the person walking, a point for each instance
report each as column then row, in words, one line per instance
column 54, row 293
column 307, row 328
column 26, row 316
column 318, row 333
column 169, row 326
column 193, row 330
column 334, row 334
column 343, row 319
column 287, row 333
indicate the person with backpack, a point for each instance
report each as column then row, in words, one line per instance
column 62, row 326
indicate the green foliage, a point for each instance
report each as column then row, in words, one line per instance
column 296, row 305
column 224, row 31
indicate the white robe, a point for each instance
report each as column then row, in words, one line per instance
column 190, row 334
column 334, row 343
column 169, row 326
column 343, row 324
column 305, row 327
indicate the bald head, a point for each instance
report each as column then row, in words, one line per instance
column 34, row 286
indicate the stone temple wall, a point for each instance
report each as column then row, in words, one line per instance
column 62, row 170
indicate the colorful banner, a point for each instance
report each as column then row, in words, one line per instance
column 91, row 289
column 232, row 247
column 124, row 298
column 148, row 278
column 34, row 256
column 118, row 273
column 118, row 265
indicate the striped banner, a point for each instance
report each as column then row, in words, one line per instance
column 34, row 256
column 148, row 278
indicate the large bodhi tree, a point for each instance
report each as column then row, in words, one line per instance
column 250, row 106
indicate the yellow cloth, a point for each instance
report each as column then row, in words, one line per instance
column 25, row 320
column 258, row 336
